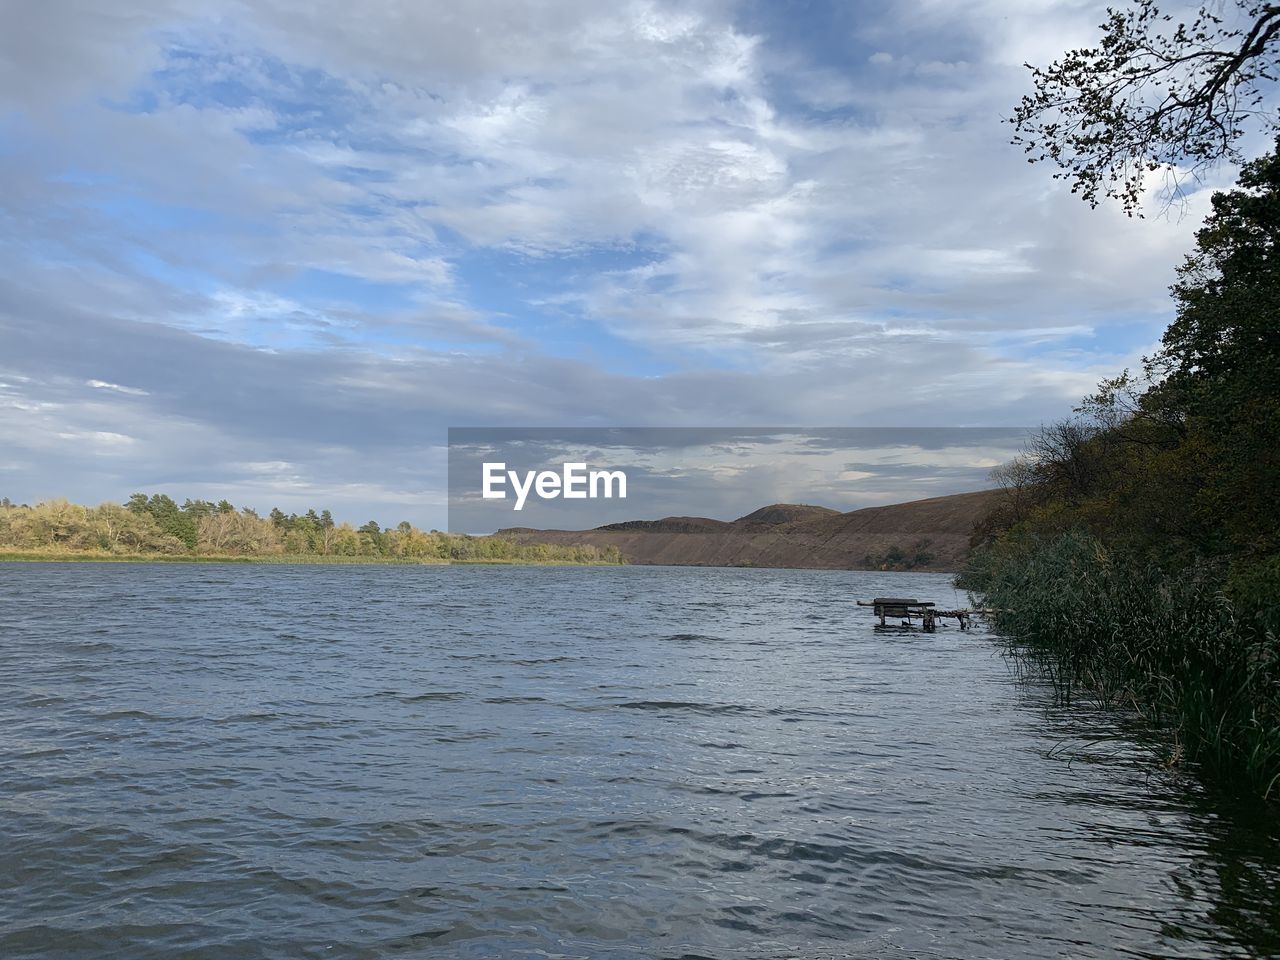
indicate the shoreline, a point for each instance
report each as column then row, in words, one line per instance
column 18, row 556
column 22, row 556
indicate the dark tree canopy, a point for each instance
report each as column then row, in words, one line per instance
column 1227, row 331
column 1182, row 464
column 1155, row 94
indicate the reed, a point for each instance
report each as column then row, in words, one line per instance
column 1193, row 650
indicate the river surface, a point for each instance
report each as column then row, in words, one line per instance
column 207, row 761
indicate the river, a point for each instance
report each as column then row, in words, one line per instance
column 217, row 761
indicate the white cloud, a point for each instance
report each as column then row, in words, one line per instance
column 789, row 238
column 117, row 388
column 100, row 439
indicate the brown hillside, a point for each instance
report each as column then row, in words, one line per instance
column 787, row 513
column 670, row 525
column 928, row 534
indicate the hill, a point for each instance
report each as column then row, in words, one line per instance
column 931, row 534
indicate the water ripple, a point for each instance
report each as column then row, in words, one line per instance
column 351, row 762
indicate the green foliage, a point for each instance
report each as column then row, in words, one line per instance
column 896, row 558
column 1137, row 551
column 1184, row 462
column 156, row 526
column 1254, row 590
column 177, row 522
column 59, row 525
column 1177, row 648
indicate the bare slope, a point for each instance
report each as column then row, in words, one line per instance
column 922, row 535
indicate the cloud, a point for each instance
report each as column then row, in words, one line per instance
column 285, row 234
column 117, row 388
column 722, row 473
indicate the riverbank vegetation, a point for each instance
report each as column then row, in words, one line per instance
column 156, row 528
column 914, row 557
column 1136, row 552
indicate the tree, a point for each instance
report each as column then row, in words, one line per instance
column 1185, row 463
column 171, row 519
column 1154, row 94
column 1219, row 362
column 197, row 508
column 346, row 541
column 237, row 533
column 328, row 538
column 115, row 528
column 1227, row 331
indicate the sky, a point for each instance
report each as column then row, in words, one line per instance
column 272, row 251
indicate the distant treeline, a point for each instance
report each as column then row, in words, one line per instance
column 895, row 558
column 157, row 526
column 1137, row 552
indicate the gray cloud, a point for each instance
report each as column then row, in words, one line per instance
column 719, row 472
column 829, row 240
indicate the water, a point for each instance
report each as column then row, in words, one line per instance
column 221, row 761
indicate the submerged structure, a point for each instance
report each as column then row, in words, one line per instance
column 907, row 609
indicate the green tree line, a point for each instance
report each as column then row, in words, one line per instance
column 1137, row 548
column 157, row 526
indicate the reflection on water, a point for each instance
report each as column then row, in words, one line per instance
column 619, row 763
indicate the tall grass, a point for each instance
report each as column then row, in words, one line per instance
column 1191, row 650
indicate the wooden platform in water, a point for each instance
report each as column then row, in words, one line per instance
column 909, row 608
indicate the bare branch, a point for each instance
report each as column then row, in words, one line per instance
column 1152, row 96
